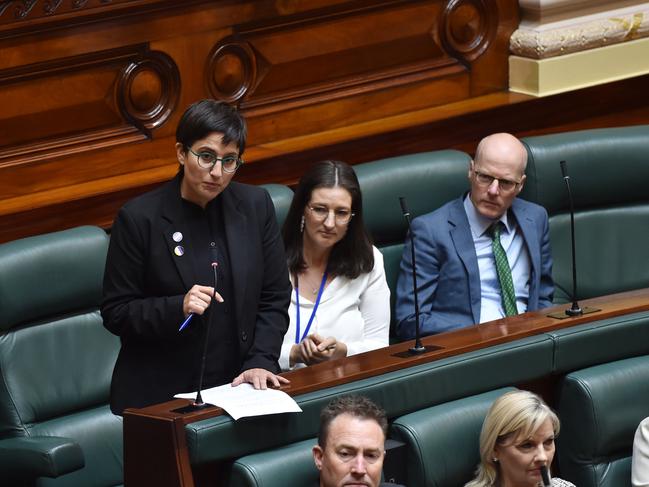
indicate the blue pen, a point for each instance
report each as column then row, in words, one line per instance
column 186, row 322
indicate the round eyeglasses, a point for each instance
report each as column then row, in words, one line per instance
column 207, row 160
column 321, row 213
column 505, row 185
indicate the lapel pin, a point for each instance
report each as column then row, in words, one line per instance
column 178, row 250
column 177, row 236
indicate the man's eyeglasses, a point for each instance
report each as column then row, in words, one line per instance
column 505, row 185
column 207, row 160
column 341, row 216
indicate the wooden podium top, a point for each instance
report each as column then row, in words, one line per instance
column 447, row 344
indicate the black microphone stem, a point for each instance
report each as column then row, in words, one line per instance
column 418, row 348
column 199, row 399
column 574, row 310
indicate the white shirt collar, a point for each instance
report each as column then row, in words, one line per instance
column 478, row 223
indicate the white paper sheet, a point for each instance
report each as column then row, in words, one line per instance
column 244, row 400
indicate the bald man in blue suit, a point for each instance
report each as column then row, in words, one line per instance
column 457, row 279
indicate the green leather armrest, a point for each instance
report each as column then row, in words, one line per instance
column 39, row 456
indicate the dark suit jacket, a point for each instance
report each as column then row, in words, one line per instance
column 447, row 268
column 145, row 282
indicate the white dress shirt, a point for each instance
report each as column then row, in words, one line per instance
column 511, row 239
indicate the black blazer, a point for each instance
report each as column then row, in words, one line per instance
column 145, row 282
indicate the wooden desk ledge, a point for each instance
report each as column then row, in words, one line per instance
column 382, row 361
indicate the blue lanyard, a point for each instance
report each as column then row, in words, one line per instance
column 315, row 307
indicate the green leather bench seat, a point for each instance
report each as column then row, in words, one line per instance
column 608, row 174
column 56, row 362
column 599, row 342
column 288, row 465
column 600, row 408
column 427, row 180
column 400, row 392
column 442, row 442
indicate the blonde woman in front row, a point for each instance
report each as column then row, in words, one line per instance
column 516, row 442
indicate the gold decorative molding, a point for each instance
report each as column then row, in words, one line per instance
column 542, row 77
column 542, row 44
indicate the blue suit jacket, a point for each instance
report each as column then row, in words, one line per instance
column 448, row 278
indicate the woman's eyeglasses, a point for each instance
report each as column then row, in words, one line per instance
column 341, row 215
column 207, row 160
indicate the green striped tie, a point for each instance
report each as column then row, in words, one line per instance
column 504, row 272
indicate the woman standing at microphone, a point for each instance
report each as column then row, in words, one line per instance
column 340, row 303
column 517, row 443
column 168, row 250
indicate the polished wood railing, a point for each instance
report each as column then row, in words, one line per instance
column 155, row 448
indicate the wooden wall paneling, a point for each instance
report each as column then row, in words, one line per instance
column 365, row 64
column 93, row 89
column 102, row 86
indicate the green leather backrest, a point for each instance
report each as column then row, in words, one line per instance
column 612, row 249
column 427, row 180
column 443, row 441
column 607, row 167
column 282, row 197
column 288, row 465
column 51, row 274
column 55, row 355
column 600, row 408
column 609, row 172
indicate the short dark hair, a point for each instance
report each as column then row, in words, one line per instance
column 351, row 256
column 357, row 406
column 207, row 116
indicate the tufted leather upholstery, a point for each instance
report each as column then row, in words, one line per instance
column 56, row 362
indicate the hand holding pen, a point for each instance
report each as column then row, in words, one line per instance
column 196, row 301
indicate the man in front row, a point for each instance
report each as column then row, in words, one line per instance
column 483, row 256
column 351, row 443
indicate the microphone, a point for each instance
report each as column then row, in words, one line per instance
column 545, row 475
column 574, row 310
column 198, row 402
column 418, row 347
